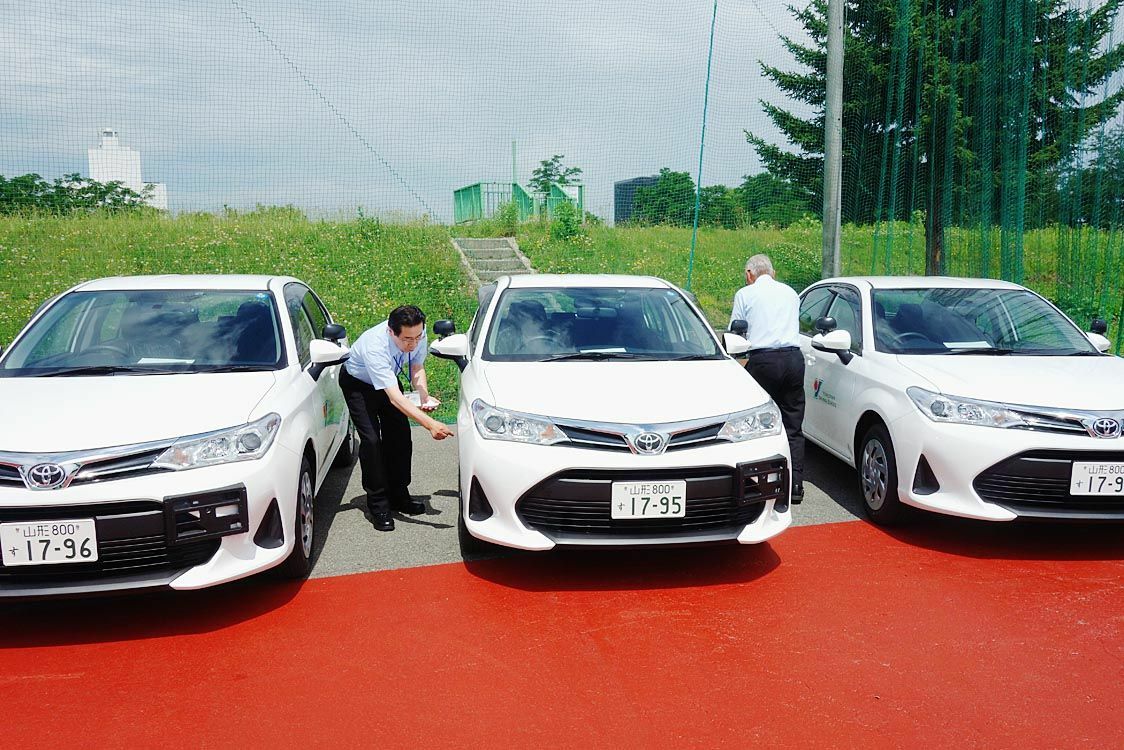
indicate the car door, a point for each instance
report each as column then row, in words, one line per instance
column 321, row 399
column 834, row 382
column 813, row 306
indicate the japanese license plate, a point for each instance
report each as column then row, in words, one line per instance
column 649, row 499
column 1096, row 478
column 49, row 542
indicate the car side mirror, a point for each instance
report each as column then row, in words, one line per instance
column 1100, row 342
column 454, row 347
column 1098, row 326
column 740, row 327
column 834, row 341
column 333, row 332
column 324, row 355
column 444, row 328
column 735, row 344
column 826, row 325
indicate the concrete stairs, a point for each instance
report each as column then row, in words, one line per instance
column 487, row 259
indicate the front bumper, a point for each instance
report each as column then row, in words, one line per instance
column 181, row 530
column 998, row 474
column 541, row 497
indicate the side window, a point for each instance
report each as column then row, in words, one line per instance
column 302, row 326
column 316, row 313
column 812, row 308
column 847, row 313
column 485, row 299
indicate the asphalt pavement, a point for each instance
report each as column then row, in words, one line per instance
column 347, row 543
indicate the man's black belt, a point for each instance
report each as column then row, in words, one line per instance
column 774, row 349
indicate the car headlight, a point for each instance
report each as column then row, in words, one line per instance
column 245, row 443
column 953, row 409
column 501, row 424
column 760, row 421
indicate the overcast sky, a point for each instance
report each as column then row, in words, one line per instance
column 385, row 104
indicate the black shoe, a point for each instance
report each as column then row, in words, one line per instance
column 382, row 521
column 797, row 495
column 410, row 507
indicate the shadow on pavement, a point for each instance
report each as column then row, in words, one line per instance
column 141, row 616
column 833, row 478
column 627, row 569
column 329, row 503
column 1015, row 540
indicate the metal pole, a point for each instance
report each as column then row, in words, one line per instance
column 702, row 142
column 833, row 140
column 514, row 173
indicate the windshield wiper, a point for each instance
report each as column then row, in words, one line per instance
column 989, row 351
column 692, row 357
column 106, row 370
column 234, row 368
column 594, row 356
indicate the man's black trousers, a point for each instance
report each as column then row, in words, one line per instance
column 385, row 446
column 781, row 373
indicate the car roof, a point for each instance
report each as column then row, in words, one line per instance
column 924, row 282
column 538, row 280
column 180, row 281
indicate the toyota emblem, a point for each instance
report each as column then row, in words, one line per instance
column 1106, row 428
column 44, row 476
column 648, row 442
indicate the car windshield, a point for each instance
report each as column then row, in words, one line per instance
column 597, row 323
column 972, row 321
column 149, row 332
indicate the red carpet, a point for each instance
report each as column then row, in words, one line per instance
column 955, row 634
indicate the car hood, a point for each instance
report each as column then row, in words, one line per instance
column 1095, row 383
column 623, row 391
column 49, row 415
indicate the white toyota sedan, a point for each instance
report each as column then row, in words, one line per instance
column 167, row 431
column 973, row 398
column 604, row 410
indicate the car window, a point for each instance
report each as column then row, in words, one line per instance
column 317, row 313
column 180, row 330
column 532, row 324
column 485, row 299
column 302, row 330
column 944, row 320
column 848, row 317
column 812, row 308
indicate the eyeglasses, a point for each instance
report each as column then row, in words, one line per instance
column 412, row 339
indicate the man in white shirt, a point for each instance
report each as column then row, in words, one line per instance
column 381, row 412
column 772, row 311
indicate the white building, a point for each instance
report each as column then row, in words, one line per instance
column 112, row 162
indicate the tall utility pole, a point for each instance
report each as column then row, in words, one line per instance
column 702, row 142
column 833, row 140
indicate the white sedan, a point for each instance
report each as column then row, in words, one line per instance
column 973, row 398
column 167, row 431
column 603, row 410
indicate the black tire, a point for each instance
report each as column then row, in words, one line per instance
column 878, row 477
column 348, row 450
column 299, row 562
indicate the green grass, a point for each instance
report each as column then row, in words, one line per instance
column 361, row 269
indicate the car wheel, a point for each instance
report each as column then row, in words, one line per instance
column 299, row 562
column 878, row 477
column 349, row 449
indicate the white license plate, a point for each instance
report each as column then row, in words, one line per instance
column 49, row 542
column 649, row 499
column 1095, row 478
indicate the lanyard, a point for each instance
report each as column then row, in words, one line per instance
column 408, row 358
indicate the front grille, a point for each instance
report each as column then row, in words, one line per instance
column 132, row 539
column 587, row 438
column 612, row 438
column 10, row 475
column 695, row 438
column 578, row 501
column 1036, row 484
column 137, row 464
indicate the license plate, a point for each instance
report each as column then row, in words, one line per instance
column 1094, row 478
column 49, row 542
column 649, row 499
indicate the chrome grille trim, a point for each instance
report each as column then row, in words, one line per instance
column 614, row 436
column 87, row 465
